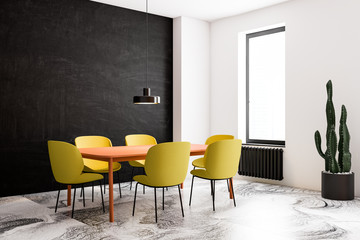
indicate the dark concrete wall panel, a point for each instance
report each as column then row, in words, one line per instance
column 70, row 68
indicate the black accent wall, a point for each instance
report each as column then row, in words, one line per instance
column 70, row 68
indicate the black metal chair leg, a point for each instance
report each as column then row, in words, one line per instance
column 143, row 189
column 81, row 192
column 213, row 191
column 102, row 197
column 211, row 183
column 73, row 206
column 105, row 183
column 227, row 181
column 182, row 209
column 214, row 188
column 155, row 205
column 192, row 183
column 135, row 198
column 57, row 200
column 232, row 188
column 92, row 195
column 132, row 175
column 119, row 183
column 163, row 199
column 82, row 189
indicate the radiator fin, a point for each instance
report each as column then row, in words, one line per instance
column 261, row 162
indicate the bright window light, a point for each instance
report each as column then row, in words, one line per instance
column 266, row 86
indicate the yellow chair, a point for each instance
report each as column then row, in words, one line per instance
column 166, row 165
column 95, row 166
column 67, row 167
column 136, row 140
column 200, row 162
column 221, row 163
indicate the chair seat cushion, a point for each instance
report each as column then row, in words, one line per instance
column 202, row 173
column 143, row 179
column 137, row 163
column 200, row 163
column 103, row 168
column 85, row 178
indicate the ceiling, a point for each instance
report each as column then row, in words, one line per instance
column 207, row 10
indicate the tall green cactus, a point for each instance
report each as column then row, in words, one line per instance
column 330, row 110
column 344, row 154
column 331, row 164
column 331, row 151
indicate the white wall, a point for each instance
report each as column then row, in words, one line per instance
column 322, row 43
column 191, row 74
column 177, row 79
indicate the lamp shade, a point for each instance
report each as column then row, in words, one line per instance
column 146, row 98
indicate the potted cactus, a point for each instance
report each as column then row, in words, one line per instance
column 337, row 182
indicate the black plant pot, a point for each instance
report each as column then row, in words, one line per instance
column 337, row 186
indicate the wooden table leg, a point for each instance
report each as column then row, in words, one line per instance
column 231, row 188
column 111, row 192
column 69, row 195
column 182, row 185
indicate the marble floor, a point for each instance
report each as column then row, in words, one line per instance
column 263, row 211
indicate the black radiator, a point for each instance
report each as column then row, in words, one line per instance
column 261, row 162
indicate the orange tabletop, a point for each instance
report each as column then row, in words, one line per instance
column 129, row 153
column 122, row 154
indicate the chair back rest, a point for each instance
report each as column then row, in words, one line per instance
column 216, row 138
column 92, row 142
column 222, row 158
column 66, row 161
column 139, row 139
column 166, row 164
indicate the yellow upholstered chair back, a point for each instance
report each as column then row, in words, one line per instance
column 66, row 161
column 166, row 164
column 222, row 158
column 92, row 142
column 139, row 139
column 216, row 138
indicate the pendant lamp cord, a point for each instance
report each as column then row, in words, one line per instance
column 147, row 42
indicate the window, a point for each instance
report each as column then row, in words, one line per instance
column 265, row 83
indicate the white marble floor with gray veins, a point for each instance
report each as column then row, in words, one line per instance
column 263, row 211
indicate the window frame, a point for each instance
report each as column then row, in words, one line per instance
column 249, row 36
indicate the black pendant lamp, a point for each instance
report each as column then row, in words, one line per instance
column 146, row 98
